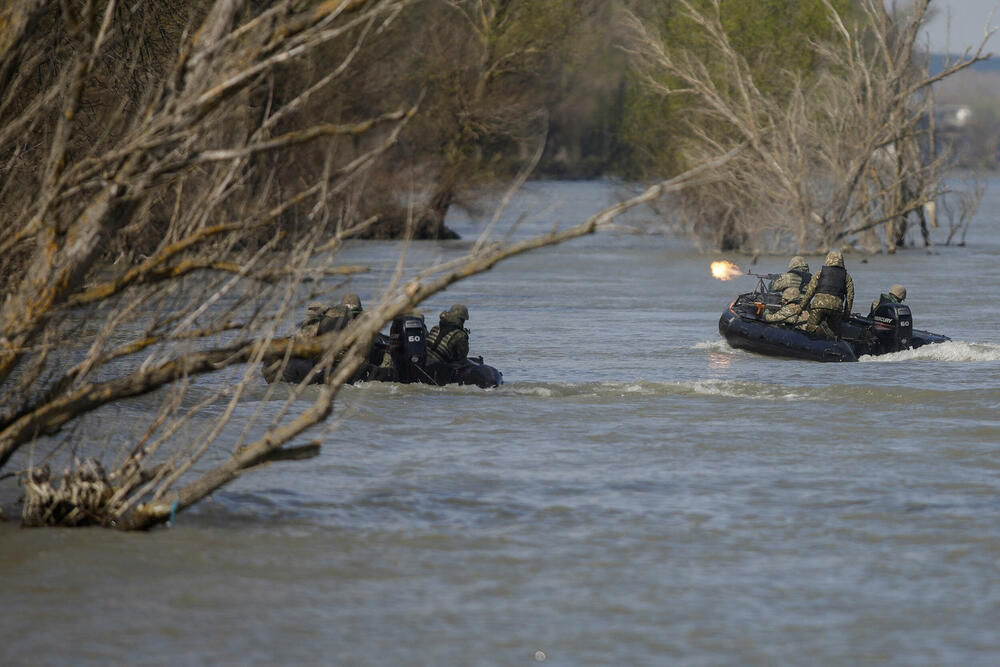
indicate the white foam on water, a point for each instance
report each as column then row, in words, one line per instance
column 613, row 390
column 633, row 388
column 953, row 351
column 730, row 389
column 715, row 346
column 544, row 392
column 567, row 389
column 708, row 387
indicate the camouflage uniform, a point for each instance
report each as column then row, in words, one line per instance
column 339, row 316
column 449, row 341
column 797, row 276
column 320, row 320
column 790, row 312
column 314, row 317
column 897, row 294
column 829, row 296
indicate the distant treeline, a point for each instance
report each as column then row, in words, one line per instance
column 502, row 80
column 969, row 108
column 938, row 61
column 503, row 83
column 498, row 87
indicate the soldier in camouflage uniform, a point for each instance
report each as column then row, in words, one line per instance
column 314, row 317
column 897, row 294
column 829, row 296
column 339, row 316
column 448, row 341
column 321, row 320
column 352, row 303
column 798, row 276
column 790, row 312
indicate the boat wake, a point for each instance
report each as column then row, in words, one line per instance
column 615, row 391
column 720, row 346
column 954, row 351
column 950, row 351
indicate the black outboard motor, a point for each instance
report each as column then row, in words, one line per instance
column 893, row 326
column 408, row 347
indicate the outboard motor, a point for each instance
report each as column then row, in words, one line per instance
column 893, row 326
column 408, row 347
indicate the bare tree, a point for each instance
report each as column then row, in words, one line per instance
column 488, row 68
column 214, row 292
column 844, row 156
column 84, row 161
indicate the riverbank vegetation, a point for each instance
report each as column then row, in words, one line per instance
column 178, row 176
column 839, row 131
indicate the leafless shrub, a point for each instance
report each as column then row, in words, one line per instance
column 844, row 158
column 958, row 209
column 222, row 250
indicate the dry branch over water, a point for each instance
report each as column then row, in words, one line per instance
column 172, row 178
column 178, row 177
column 181, row 169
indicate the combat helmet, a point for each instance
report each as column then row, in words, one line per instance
column 456, row 315
column 352, row 302
column 898, row 291
column 797, row 262
column 834, row 258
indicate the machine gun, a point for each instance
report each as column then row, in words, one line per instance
column 761, row 277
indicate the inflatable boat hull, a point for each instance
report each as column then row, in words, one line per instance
column 889, row 329
column 757, row 336
column 470, row 372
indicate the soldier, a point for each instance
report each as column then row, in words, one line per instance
column 448, row 341
column 798, row 276
column 830, row 294
column 321, row 320
column 339, row 316
column 897, row 294
column 352, row 302
column 791, row 309
column 310, row 325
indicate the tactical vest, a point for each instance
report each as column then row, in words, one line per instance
column 439, row 343
column 833, row 281
column 883, row 298
column 888, row 298
column 797, row 278
column 334, row 322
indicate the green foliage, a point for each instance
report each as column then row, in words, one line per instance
column 772, row 36
column 650, row 127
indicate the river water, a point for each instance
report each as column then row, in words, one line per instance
column 637, row 493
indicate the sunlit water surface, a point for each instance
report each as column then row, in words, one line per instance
column 637, row 493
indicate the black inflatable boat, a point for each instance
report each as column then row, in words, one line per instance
column 888, row 329
column 406, row 348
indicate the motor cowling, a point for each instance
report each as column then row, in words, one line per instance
column 893, row 326
column 408, row 346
